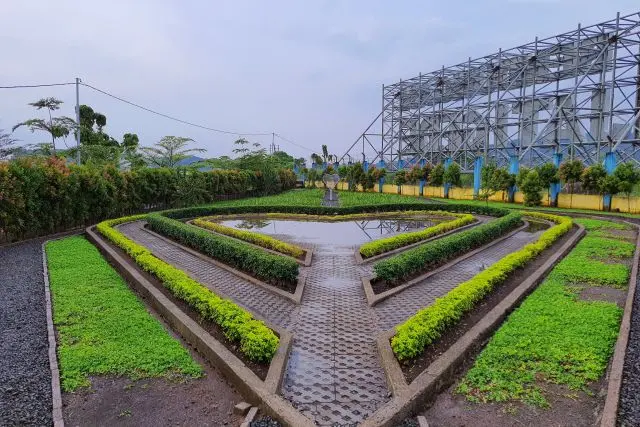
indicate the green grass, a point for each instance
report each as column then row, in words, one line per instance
column 301, row 197
column 554, row 337
column 103, row 329
column 350, row 198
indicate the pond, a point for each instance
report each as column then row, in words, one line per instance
column 344, row 233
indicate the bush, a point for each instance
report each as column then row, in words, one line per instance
column 380, row 246
column 428, row 324
column 251, row 237
column 271, row 268
column 257, row 341
column 429, row 255
column 39, row 196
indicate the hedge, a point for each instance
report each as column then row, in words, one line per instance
column 381, row 246
column 251, row 237
column 274, row 269
column 428, row 324
column 431, row 254
column 257, row 341
column 45, row 195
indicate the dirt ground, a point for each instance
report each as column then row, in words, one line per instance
column 568, row 409
column 206, row 401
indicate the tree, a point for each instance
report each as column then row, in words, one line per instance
column 452, row 176
column 6, row 145
column 399, row 179
column 570, row 172
column 169, row 151
column 628, row 177
column 437, row 175
column 548, row 174
column 355, row 175
column 531, row 187
column 489, row 185
column 56, row 127
column 592, row 176
column 609, row 185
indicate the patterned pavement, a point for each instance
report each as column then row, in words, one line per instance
column 334, row 374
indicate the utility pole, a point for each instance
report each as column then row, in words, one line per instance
column 78, row 120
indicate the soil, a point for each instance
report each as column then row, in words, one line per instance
column 567, row 408
column 415, row 367
column 380, row 286
column 260, row 369
column 601, row 293
column 206, row 401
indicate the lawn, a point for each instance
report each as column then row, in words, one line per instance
column 554, row 337
column 103, row 329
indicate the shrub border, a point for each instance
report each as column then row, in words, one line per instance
column 262, row 393
column 242, row 322
column 409, row 398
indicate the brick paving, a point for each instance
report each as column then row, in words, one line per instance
column 334, row 374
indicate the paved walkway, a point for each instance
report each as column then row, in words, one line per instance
column 334, row 375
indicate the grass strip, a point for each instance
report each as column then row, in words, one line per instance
column 428, row 324
column 257, row 341
column 554, row 337
column 103, row 328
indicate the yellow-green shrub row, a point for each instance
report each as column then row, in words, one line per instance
column 251, row 237
column 381, row 246
column 428, row 324
column 257, row 341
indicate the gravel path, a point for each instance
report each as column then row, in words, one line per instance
column 629, row 410
column 25, row 377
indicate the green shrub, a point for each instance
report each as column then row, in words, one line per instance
column 380, row 246
column 271, row 268
column 437, row 252
column 251, row 237
column 428, row 324
column 257, row 341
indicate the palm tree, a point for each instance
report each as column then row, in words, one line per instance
column 6, row 144
column 57, row 127
column 169, row 151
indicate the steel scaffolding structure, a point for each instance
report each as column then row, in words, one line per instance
column 576, row 94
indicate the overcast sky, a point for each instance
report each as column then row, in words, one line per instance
column 309, row 70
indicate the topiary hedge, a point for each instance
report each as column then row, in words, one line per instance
column 380, row 246
column 427, row 256
column 274, row 269
column 257, row 341
column 251, row 237
column 428, row 324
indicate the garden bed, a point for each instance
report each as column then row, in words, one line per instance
column 412, row 368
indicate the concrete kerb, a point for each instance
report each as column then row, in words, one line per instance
column 308, row 252
column 361, row 260
column 373, row 298
column 56, row 395
column 295, row 297
column 256, row 391
column 440, row 373
column 610, row 411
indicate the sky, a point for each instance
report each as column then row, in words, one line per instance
column 311, row 71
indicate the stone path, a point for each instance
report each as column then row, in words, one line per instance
column 333, row 375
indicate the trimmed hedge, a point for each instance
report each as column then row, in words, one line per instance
column 428, row 324
column 40, row 196
column 380, row 246
column 257, row 341
column 251, row 237
column 274, row 269
column 431, row 254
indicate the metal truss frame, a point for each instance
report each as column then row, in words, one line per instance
column 576, row 93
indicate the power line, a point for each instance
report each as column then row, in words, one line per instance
column 294, row 143
column 39, row 85
column 175, row 118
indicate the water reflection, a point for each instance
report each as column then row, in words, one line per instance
column 335, row 233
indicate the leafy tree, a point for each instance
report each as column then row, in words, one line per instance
column 399, row 179
column 570, row 172
column 6, row 145
column 628, row 177
column 56, row 127
column 609, row 184
column 316, row 158
column 437, row 175
column 169, row 151
column 531, row 187
column 355, row 176
column 489, row 185
column 452, row 176
column 548, row 173
column 592, row 176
